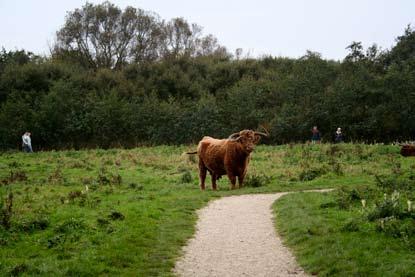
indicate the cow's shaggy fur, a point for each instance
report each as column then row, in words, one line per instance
column 408, row 150
column 226, row 156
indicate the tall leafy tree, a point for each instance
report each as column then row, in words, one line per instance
column 105, row 36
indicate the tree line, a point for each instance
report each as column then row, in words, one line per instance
column 122, row 78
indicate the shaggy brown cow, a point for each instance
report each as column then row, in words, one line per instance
column 226, row 156
column 408, row 150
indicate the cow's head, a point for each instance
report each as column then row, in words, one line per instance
column 248, row 139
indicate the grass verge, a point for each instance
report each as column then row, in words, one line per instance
column 327, row 241
column 129, row 212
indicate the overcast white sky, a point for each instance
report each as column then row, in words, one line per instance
column 280, row 28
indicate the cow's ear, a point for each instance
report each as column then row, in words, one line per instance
column 257, row 139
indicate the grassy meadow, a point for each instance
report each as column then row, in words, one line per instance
column 129, row 212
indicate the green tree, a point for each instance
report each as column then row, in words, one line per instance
column 105, row 36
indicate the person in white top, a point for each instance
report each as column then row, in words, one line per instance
column 27, row 142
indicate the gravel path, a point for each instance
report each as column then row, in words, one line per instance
column 236, row 237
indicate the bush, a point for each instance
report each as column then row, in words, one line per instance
column 352, row 225
column 309, row 174
column 346, row 197
column 17, row 176
column 186, row 177
column 71, row 225
column 115, row 215
column 257, row 180
column 385, row 209
column 395, row 182
column 33, row 224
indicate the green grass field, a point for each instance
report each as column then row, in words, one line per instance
column 129, row 212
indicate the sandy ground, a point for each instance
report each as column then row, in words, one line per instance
column 235, row 236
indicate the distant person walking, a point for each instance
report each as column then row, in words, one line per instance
column 316, row 137
column 27, row 142
column 338, row 136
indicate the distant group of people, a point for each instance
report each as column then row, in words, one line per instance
column 316, row 136
column 27, row 142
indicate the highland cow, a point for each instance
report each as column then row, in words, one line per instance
column 226, row 156
column 408, row 150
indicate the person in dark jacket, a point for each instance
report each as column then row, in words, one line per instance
column 338, row 136
column 316, row 137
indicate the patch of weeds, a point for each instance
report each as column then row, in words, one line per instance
column 17, row 176
column 71, row 225
column 4, row 182
column 115, row 215
column 257, row 180
column 334, row 150
column 56, row 177
column 72, row 195
column 389, row 207
column 105, row 178
column 107, row 161
column 33, row 224
column 136, row 198
column 308, row 174
column 363, row 153
column 305, row 152
column 93, row 187
column 102, row 221
column 77, row 164
column 3, row 241
column 6, row 210
column 14, row 164
column 186, row 177
column 97, row 200
column 18, row 270
column 117, row 162
column 115, row 179
column 402, row 229
column 394, row 182
column 352, row 225
column 347, row 197
column 192, row 158
column 328, row 205
column 102, row 178
column 55, row 241
column 136, row 186
column 397, row 168
column 87, row 180
column 336, row 166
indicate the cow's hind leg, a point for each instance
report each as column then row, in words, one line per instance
column 232, row 178
column 202, row 174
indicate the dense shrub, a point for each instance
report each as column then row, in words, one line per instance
column 257, row 180
column 309, row 174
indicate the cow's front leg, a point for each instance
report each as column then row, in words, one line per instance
column 232, row 178
column 214, row 178
column 241, row 180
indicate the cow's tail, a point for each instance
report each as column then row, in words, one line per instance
column 191, row 153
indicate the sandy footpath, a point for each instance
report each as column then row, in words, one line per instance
column 235, row 236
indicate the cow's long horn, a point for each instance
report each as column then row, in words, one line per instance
column 234, row 136
column 261, row 134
